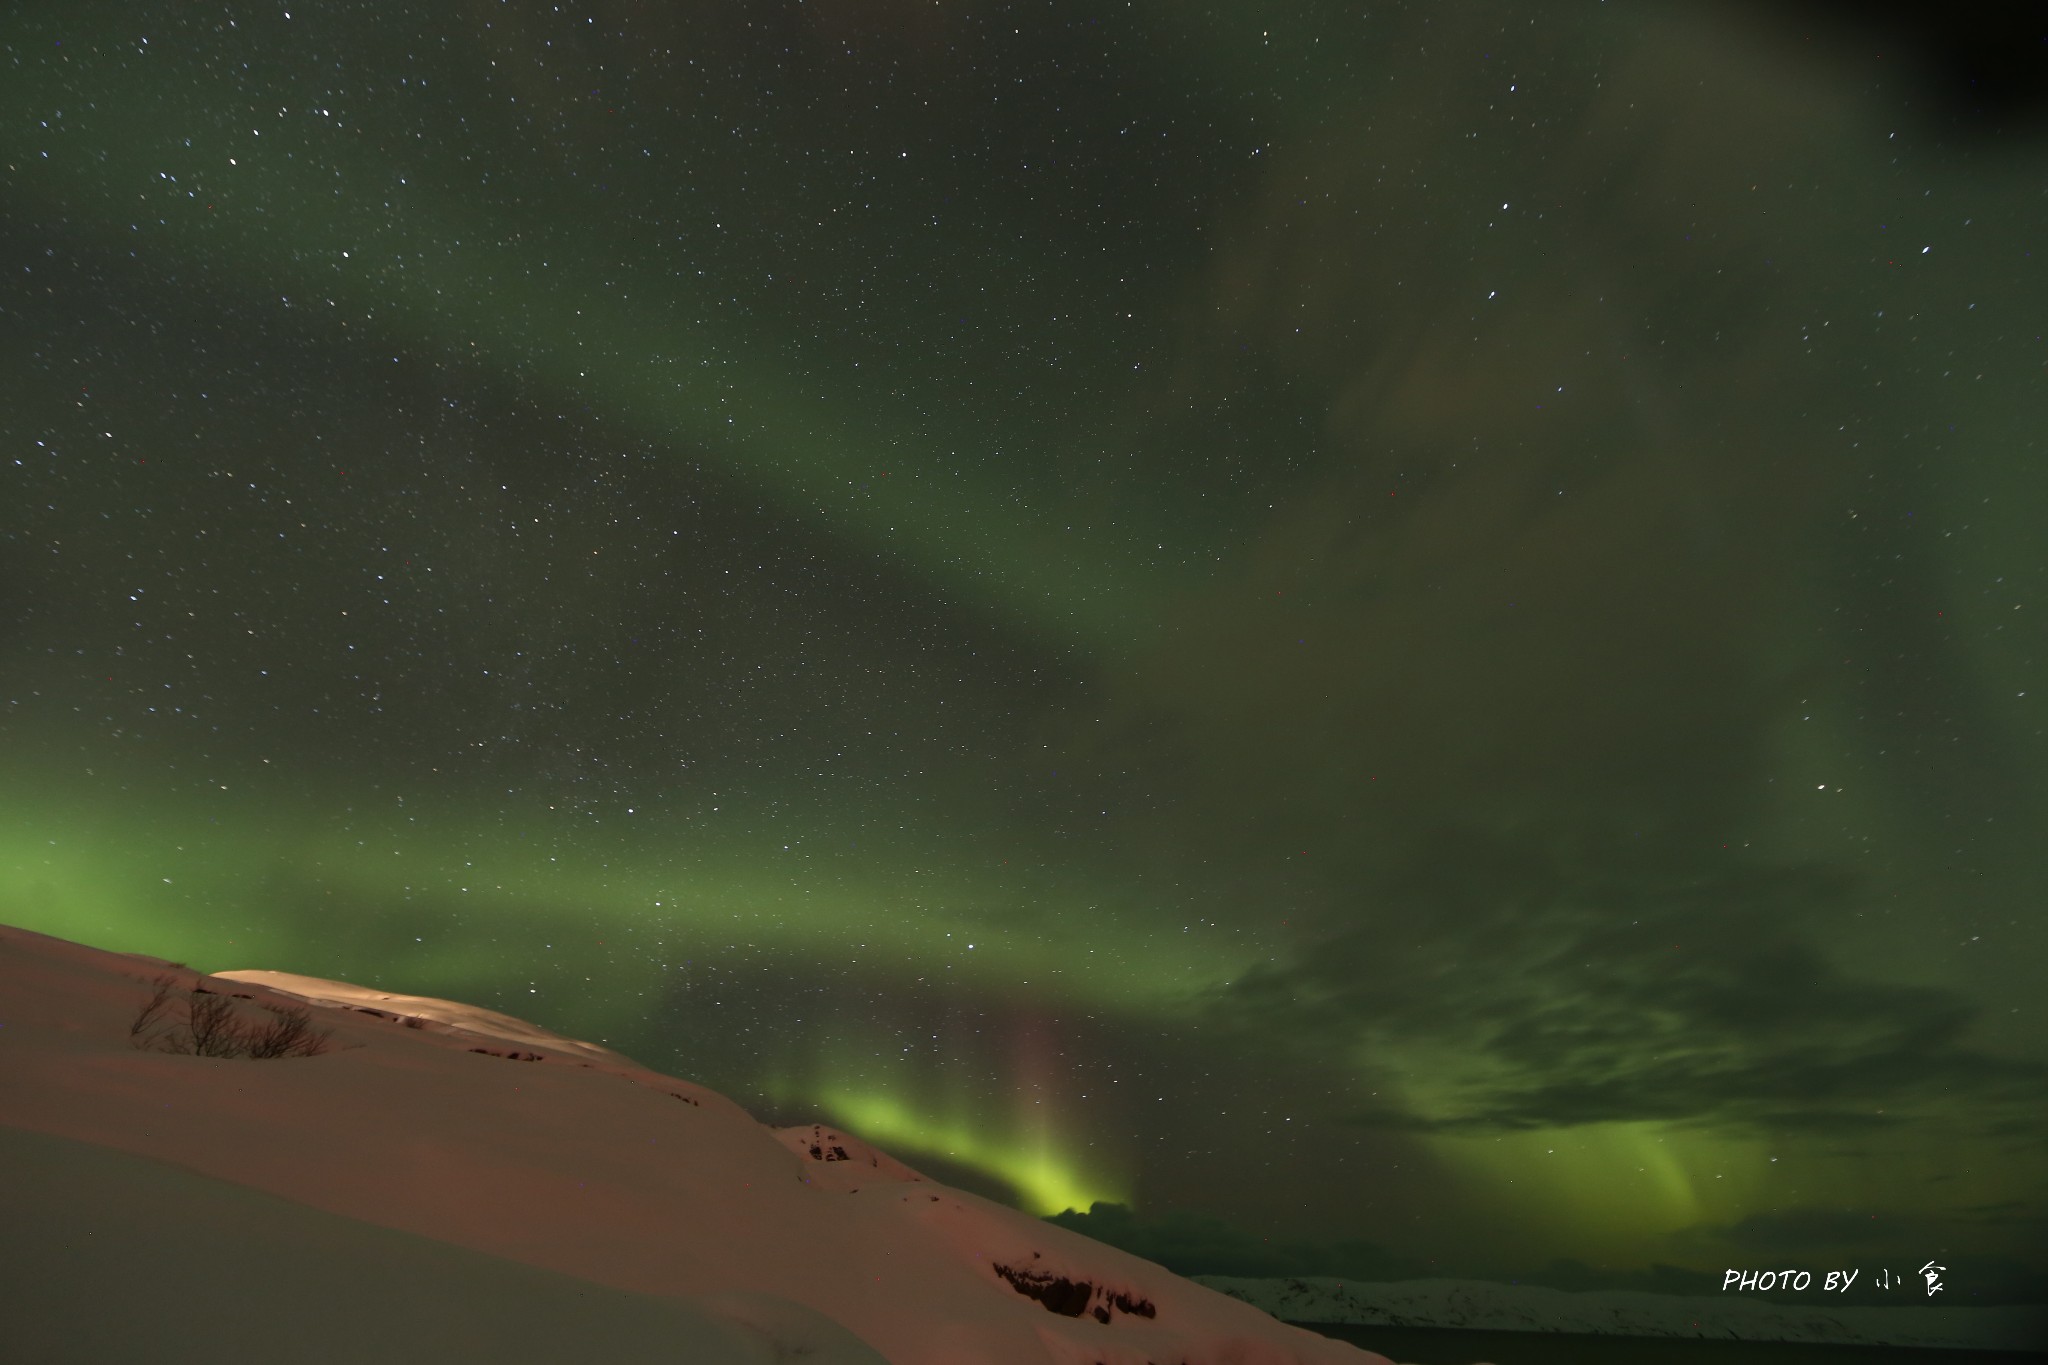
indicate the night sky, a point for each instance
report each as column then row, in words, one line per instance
column 1401, row 642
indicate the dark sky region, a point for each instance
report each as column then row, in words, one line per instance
column 1400, row 639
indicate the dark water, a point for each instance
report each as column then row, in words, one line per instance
column 1451, row 1346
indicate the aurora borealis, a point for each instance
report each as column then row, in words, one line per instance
column 1410, row 631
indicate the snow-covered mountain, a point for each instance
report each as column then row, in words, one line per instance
column 444, row 1183
column 1482, row 1306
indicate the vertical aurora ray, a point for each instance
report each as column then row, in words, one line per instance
column 902, row 1112
column 1036, row 1103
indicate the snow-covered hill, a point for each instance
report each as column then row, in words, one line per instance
column 448, row 1184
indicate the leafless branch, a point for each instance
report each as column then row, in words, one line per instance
column 214, row 1029
column 151, row 1015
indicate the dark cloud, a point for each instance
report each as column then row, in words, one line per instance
column 1978, row 69
column 1560, row 996
column 1513, row 549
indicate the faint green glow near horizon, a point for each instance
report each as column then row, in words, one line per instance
column 207, row 883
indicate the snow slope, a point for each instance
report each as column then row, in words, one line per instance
column 469, row 1187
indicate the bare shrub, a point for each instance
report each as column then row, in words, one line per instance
column 288, row 1034
column 211, row 1028
column 211, row 1023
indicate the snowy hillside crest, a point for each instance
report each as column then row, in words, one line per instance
column 454, row 1184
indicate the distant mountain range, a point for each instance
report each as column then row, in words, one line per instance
column 1483, row 1306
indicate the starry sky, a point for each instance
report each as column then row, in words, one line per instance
column 1360, row 641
